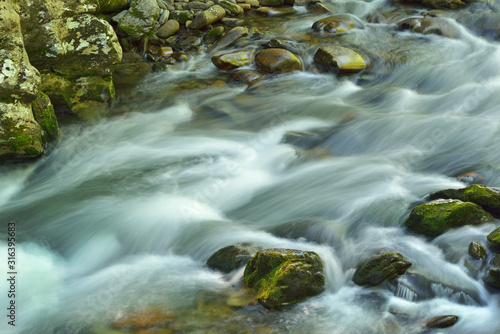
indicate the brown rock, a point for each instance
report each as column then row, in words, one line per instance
column 443, row 321
column 168, row 29
column 278, row 61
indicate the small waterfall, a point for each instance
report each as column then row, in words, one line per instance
column 405, row 292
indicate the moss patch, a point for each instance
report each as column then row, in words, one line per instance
column 44, row 114
column 283, row 277
column 436, row 217
column 487, row 198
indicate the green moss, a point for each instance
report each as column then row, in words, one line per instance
column 380, row 268
column 28, row 145
column 436, row 217
column 283, row 277
column 494, row 236
column 44, row 114
column 486, row 197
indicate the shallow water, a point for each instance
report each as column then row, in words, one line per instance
column 124, row 212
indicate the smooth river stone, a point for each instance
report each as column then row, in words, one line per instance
column 339, row 60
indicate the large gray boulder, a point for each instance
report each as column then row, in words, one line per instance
column 139, row 19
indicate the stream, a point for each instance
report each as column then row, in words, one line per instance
column 124, row 211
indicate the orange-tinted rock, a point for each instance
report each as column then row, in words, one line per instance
column 278, row 61
column 443, row 321
column 146, row 319
column 230, row 61
column 165, row 51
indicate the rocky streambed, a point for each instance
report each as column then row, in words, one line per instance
column 252, row 166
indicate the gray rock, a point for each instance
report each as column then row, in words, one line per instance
column 140, row 19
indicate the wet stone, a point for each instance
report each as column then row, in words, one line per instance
column 380, row 268
column 278, row 61
column 477, row 250
column 333, row 25
column 443, row 321
column 494, row 236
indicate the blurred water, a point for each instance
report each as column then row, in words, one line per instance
column 124, row 212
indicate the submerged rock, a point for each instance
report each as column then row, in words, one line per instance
column 472, row 178
column 443, row 321
column 477, row 250
column 487, row 198
column 339, row 60
column 427, row 26
column 145, row 319
column 231, row 257
column 284, row 276
column 272, row 11
column 436, row 217
column 380, row 268
column 494, row 236
column 333, row 25
column 278, row 61
column 230, row 38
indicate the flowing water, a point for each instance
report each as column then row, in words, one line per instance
column 124, row 211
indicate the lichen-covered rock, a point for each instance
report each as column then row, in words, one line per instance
column 232, row 60
column 271, row 2
column 230, row 38
column 333, row 25
column 494, row 236
column 20, row 134
column 209, row 16
column 284, row 276
column 380, row 268
column 181, row 16
column 278, row 61
column 44, row 114
column 443, row 321
column 83, row 45
column 428, row 25
column 477, row 250
column 487, row 198
column 436, row 217
column 231, row 257
column 79, row 93
column 139, row 19
column 339, row 60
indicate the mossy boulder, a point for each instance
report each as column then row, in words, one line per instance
column 492, row 277
column 380, row 268
column 231, row 257
column 339, row 60
column 44, row 114
column 487, row 198
column 276, row 60
column 139, row 20
column 82, row 45
column 436, row 217
column 428, row 25
column 333, row 25
column 477, row 250
column 233, row 60
column 78, row 93
column 494, row 236
column 284, row 276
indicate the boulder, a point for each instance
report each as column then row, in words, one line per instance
column 278, row 61
column 230, row 61
column 20, row 134
column 333, row 25
column 443, row 321
column 44, row 114
column 492, row 277
column 231, row 257
column 284, row 276
column 380, row 268
column 82, row 45
column 436, row 217
column 494, row 236
column 477, row 250
column 339, row 60
column 428, row 25
column 487, row 198
column 209, row 16
column 139, row 19
column 168, row 29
